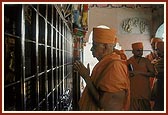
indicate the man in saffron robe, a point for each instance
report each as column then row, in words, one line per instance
column 108, row 86
column 139, row 79
column 153, row 57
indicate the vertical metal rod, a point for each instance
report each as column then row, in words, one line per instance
column 63, row 50
column 46, row 66
column 37, row 58
column 52, row 74
column 56, row 42
column 23, row 84
column 59, row 59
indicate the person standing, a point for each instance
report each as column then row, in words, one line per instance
column 140, row 89
column 159, row 89
column 108, row 86
column 153, row 57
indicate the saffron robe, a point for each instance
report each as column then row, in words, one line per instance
column 153, row 58
column 140, row 84
column 113, row 81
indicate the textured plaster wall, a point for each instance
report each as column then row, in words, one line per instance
column 114, row 18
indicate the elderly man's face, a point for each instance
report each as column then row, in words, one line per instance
column 97, row 50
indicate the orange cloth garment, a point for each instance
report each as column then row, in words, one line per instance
column 151, row 56
column 139, row 84
column 140, row 89
column 121, row 53
column 115, row 79
column 101, row 35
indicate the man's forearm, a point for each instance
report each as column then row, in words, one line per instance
column 92, row 89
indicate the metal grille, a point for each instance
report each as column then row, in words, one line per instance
column 41, row 42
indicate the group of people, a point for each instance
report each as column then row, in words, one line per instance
column 120, row 84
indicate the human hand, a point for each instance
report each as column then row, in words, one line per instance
column 83, row 71
column 155, row 62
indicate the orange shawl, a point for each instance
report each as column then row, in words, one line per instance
column 139, row 84
column 114, row 80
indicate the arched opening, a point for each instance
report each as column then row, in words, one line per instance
column 160, row 32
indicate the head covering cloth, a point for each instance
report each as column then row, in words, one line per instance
column 102, row 35
column 154, row 40
column 137, row 45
